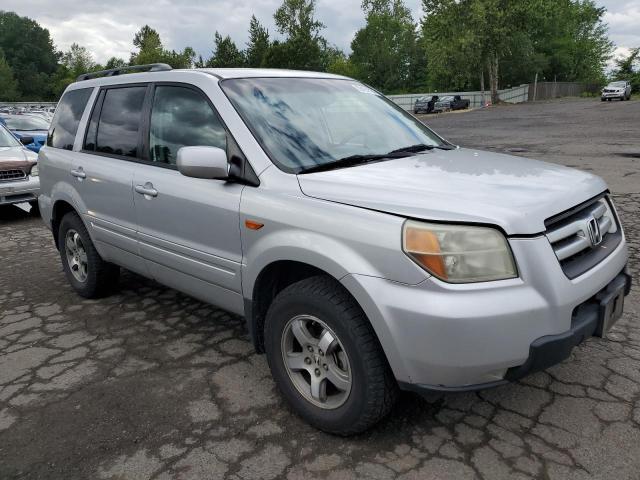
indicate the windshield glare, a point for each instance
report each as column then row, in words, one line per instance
column 304, row 122
column 618, row 84
column 6, row 139
column 26, row 123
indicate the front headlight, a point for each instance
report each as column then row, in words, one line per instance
column 459, row 253
column 34, row 171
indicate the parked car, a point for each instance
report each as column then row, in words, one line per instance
column 19, row 181
column 367, row 253
column 31, row 126
column 424, row 104
column 451, row 102
column 620, row 89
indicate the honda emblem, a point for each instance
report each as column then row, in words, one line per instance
column 595, row 235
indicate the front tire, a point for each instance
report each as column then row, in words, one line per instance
column 326, row 359
column 85, row 270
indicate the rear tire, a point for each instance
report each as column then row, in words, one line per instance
column 313, row 309
column 85, row 270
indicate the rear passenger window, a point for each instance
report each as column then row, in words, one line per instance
column 116, row 131
column 67, row 117
column 182, row 117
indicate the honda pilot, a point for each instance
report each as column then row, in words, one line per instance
column 367, row 253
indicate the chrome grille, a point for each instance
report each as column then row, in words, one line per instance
column 583, row 236
column 13, row 174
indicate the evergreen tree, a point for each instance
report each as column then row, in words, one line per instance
column 258, row 44
column 226, row 53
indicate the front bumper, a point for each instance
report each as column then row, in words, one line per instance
column 19, row 190
column 612, row 95
column 440, row 336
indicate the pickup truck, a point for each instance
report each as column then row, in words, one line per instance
column 451, row 102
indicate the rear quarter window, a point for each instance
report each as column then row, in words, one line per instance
column 67, row 118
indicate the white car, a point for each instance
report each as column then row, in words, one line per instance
column 620, row 89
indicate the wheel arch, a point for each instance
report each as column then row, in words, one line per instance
column 271, row 280
column 59, row 210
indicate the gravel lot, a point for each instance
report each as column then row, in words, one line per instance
column 152, row 384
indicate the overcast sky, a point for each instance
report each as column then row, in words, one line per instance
column 107, row 28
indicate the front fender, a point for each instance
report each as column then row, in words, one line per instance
column 335, row 238
column 311, row 248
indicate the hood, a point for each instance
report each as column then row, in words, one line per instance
column 16, row 157
column 461, row 185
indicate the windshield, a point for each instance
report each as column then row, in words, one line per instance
column 6, row 139
column 20, row 122
column 617, row 84
column 305, row 122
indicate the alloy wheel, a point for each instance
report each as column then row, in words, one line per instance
column 76, row 255
column 316, row 361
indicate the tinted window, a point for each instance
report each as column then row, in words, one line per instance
column 119, row 122
column 181, row 117
column 65, row 122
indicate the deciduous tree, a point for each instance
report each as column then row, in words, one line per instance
column 384, row 51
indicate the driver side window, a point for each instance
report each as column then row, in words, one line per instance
column 182, row 117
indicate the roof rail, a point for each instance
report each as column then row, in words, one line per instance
column 152, row 67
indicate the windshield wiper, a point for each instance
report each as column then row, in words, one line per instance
column 351, row 161
column 421, row 147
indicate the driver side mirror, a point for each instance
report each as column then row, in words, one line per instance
column 26, row 140
column 203, row 162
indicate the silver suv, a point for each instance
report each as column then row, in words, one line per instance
column 366, row 253
column 620, row 90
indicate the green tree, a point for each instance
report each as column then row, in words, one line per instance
column 226, row 53
column 147, row 41
column 384, row 51
column 510, row 41
column 467, row 38
column 258, row 44
column 8, row 84
column 628, row 68
column 75, row 61
column 339, row 63
column 150, row 50
column 114, row 62
column 29, row 51
column 303, row 48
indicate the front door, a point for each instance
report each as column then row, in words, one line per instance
column 189, row 229
column 103, row 173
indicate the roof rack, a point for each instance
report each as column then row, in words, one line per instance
column 152, row 67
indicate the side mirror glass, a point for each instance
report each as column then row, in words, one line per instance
column 26, row 140
column 203, row 162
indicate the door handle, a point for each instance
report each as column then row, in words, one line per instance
column 147, row 190
column 78, row 173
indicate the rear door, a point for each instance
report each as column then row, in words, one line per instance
column 103, row 172
column 188, row 228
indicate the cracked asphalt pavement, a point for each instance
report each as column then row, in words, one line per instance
column 149, row 383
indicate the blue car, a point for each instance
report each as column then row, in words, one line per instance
column 27, row 126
